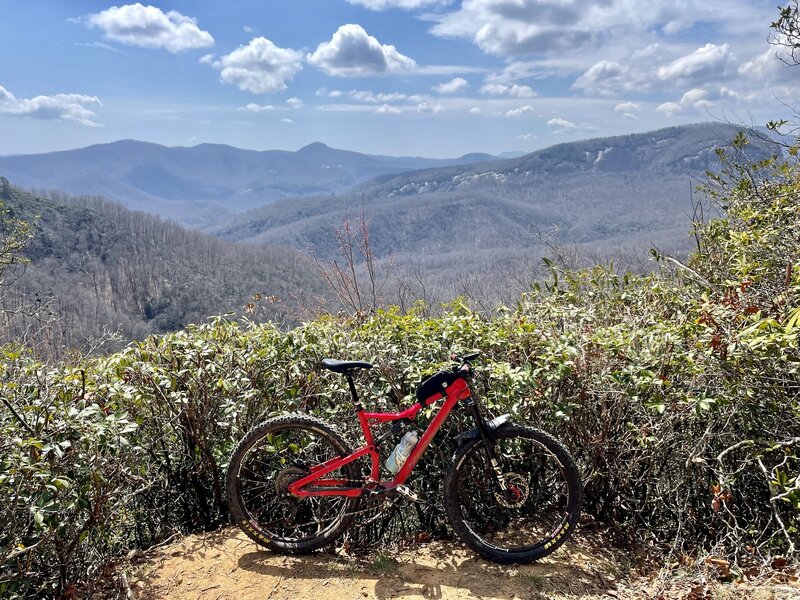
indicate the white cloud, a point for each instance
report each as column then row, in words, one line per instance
column 475, row 110
column 102, row 46
column 608, row 77
column 352, row 52
column 257, row 108
column 149, row 27
column 364, row 95
column 373, row 98
column 386, row 109
column 515, row 91
column 561, row 66
column 425, row 107
column 59, row 107
column 518, row 112
column 554, row 27
column 562, row 126
column 247, row 29
column 453, row 86
column 260, row 67
column 404, row 4
column 286, row 121
column 527, row 136
column 709, row 61
column 445, row 70
column 695, row 98
column 294, row 103
column 206, row 59
column 627, row 107
column 656, row 67
column 505, row 27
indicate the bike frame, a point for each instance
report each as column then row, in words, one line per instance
column 302, row 488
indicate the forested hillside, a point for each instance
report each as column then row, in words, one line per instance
column 609, row 198
column 97, row 268
column 199, row 185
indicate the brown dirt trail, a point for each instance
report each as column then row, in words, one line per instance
column 227, row 565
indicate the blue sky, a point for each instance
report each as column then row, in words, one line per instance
column 433, row 78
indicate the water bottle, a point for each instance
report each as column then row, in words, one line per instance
column 401, row 452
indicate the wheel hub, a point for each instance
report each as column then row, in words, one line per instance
column 287, row 477
column 517, row 489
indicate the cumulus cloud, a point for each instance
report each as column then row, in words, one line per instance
column 404, row 4
column 695, row 98
column 518, row 112
column 520, row 27
column 453, row 86
column 286, row 121
column 515, row 91
column 709, row 61
column 260, row 67
column 149, row 27
column 294, row 103
column 59, row 107
column 257, row 108
column 654, row 67
column 352, row 52
column 562, row 126
column 608, row 77
column 766, row 68
column 475, row 110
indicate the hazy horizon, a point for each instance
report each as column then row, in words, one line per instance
column 433, row 78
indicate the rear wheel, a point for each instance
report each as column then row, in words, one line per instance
column 532, row 513
column 271, row 457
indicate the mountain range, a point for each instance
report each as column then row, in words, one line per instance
column 196, row 186
column 477, row 228
column 605, row 197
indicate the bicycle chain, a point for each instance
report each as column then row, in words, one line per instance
column 372, row 507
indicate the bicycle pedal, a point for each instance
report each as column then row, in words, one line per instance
column 407, row 492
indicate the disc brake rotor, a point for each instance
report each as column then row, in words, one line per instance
column 518, row 488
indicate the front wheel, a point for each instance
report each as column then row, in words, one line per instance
column 526, row 513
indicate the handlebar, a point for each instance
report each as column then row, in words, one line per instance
column 464, row 359
column 462, row 363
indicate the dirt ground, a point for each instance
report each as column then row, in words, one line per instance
column 227, row 565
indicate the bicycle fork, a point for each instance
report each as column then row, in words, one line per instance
column 488, row 444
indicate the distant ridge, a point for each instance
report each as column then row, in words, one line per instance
column 198, row 185
column 613, row 196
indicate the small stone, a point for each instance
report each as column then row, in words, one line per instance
column 136, row 554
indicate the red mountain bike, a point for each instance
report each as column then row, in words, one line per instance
column 512, row 492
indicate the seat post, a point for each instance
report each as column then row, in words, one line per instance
column 353, row 392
